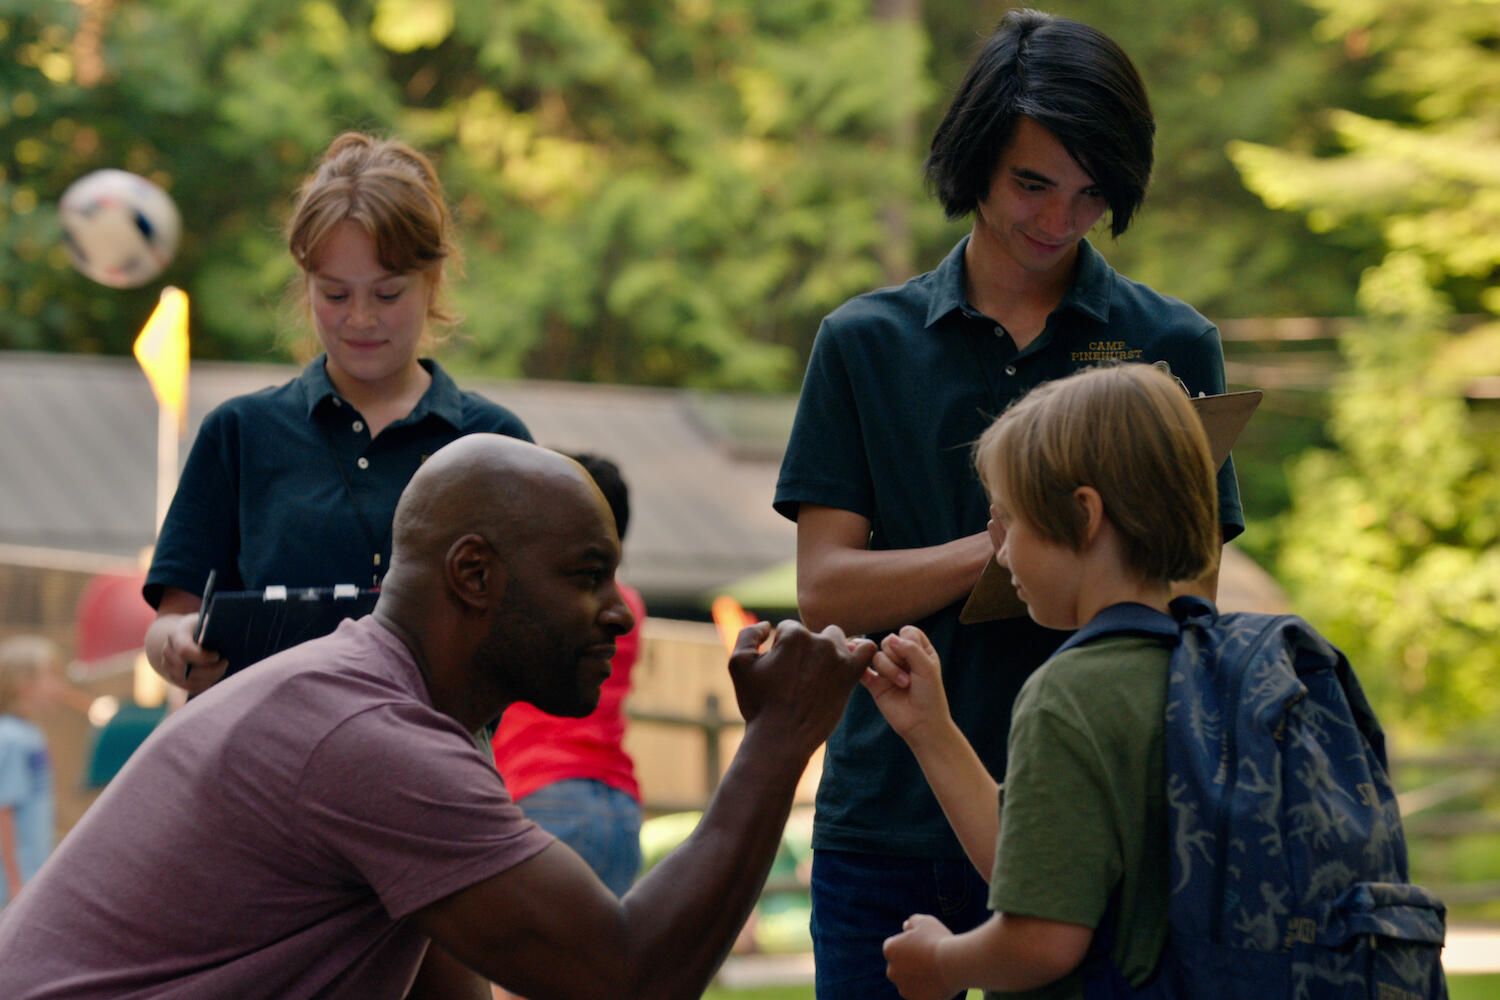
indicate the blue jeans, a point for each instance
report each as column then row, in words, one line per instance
column 859, row 900
column 601, row 823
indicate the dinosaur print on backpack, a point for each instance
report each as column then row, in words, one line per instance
column 1289, row 867
column 1289, row 873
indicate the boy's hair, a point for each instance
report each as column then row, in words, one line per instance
column 22, row 657
column 607, row 477
column 1129, row 432
column 1071, row 79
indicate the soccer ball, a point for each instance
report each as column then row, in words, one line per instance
column 120, row 229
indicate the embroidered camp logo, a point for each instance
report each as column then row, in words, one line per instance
column 1107, row 350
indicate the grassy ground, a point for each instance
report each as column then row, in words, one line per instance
column 1486, row 987
column 761, row 993
column 806, row 993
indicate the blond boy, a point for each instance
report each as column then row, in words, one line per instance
column 1102, row 490
column 26, row 803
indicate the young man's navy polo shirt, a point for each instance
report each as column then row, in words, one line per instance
column 285, row 486
column 900, row 385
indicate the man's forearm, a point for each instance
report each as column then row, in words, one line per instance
column 547, row 927
column 687, row 911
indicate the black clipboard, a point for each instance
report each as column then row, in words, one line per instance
column 246, row 626
column 1224, row 416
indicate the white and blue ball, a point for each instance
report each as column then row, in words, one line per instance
column 120, row 229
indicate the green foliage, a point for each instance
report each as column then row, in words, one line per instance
column 661, row 193
column 669, row 192
column 1232, row 71
column 683, row 192
column 1393, row 541
column 1424, row 179
column 224, row 104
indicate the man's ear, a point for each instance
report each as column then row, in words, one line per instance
column 1090, row 512
column 474, row 572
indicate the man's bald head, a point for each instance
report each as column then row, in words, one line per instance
column 484, row 484
column 502, row 579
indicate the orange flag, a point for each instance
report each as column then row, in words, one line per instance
column 162, row 350
column 730, row 618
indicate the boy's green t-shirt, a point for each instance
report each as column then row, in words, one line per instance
column 1083, row 806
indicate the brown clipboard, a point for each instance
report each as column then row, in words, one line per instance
column 1224, row 417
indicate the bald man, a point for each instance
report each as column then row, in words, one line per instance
column 309, row 826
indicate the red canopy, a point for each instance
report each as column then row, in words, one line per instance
column 112, row 618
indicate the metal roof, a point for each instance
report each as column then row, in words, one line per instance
column 78, row 448
column 78, row 453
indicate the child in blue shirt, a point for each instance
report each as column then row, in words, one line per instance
column 27, row 823
column 1102, row 491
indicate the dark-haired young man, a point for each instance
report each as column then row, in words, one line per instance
column 1050, row 131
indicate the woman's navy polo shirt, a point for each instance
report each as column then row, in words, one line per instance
column 900, row 385
column 262, row 498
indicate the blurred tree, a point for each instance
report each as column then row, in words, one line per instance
column 223, row 103
column 1217, row 71
column 675, row 193
column 667, row 192
column 1393, row 541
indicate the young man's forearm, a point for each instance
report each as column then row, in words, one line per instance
column 870, row 590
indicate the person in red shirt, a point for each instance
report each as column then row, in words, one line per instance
column 573, row 776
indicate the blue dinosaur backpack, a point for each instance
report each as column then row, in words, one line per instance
column 1288, row 861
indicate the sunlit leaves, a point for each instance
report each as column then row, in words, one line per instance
column 407, row 25
column 664, row 191
column 1393, row 543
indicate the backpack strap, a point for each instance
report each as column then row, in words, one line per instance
column 1127, row 618
column 1102, row 979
